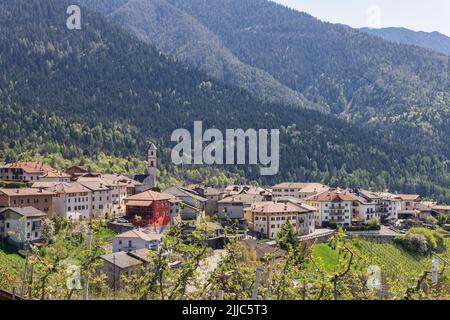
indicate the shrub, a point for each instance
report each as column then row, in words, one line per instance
column 421, row 241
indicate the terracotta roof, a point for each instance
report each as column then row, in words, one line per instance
column 68, row 187
column 37, row 168
column 275, row 207
column 138, row 234
column 150, row 195
column 94, row 184
column 329, row 196
column 26, row 192
column 138, row 203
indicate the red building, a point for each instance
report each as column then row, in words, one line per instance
column 148, row 209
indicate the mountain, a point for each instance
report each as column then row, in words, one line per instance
column 400, row 89
column 176, row 33
column 435, row 41
column 79, row 93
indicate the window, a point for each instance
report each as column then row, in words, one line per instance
column 130, row 243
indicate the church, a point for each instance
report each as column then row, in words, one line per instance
column 148, row 180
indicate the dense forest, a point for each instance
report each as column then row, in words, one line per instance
column 101, row 91
column 364, row 79
column 435, row 41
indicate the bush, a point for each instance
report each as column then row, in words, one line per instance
column 421, row 241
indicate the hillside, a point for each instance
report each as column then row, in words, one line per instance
column 174, row 32
column 435, row 41
column 100, row 89
column 358, row 77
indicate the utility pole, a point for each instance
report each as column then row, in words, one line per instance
column 86, row 281
column 114, row 276
column 259, row 270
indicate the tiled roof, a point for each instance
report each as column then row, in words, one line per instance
column 121, row 260
column 329, row 196
column 28, row 212
column 26, row 192
column 138, row 234
column 149, row 195
column 37, row 168
column 275, row 207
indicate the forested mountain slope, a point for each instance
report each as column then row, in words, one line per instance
column 100, row 89
column 435, row 41
column 403, row 89
column 176, row 33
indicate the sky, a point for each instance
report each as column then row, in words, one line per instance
column 417, row 15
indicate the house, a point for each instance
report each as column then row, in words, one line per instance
column 297, row 190
column 408, row 201
column 441, row 210
column 212, row 196
column 101, row 200
column 28, row 197
column 20, row 225
column 333, row 207
column 364, row 209
column 136, row 239
column 149, row 209
column 72, row 200
column 268, row 217
column 31, row 172
column 192, row 206
column 120, row 188
column 213, row 233
column 118, row 265
column 389, row 206
column 232, row 208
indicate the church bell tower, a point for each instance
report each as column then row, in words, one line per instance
column 151, row 166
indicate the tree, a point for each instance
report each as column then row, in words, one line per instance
column 287, row 237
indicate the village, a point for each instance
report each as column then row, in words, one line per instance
column 140, row 214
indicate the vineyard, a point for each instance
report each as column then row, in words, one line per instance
column 397, row 266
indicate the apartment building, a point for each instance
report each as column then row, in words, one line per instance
column 267, row 218
column 28, row 197
column 31, row 172
column 72, row 200
column 333, row 207
column 297, row 190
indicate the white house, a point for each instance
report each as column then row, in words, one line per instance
column 136, row 239
column 333, row 207
column 297, row 190
column 268, row 217
column 21, row 224
column 72, row 200
column 101, row 200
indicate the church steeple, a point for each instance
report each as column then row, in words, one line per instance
column 152, row 165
